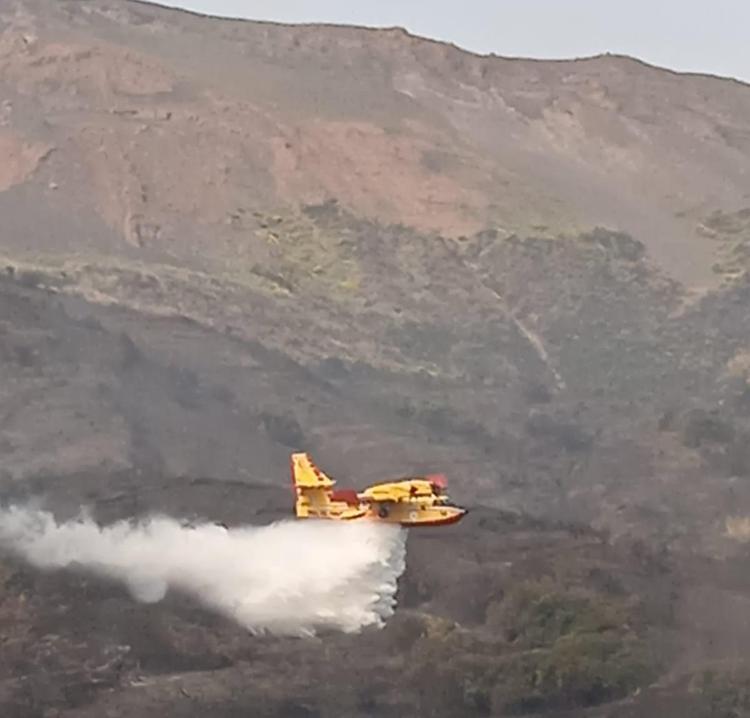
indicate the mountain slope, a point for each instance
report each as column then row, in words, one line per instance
column 176, row 126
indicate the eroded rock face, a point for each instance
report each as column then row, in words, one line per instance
column 20, row 159
column 150, row 122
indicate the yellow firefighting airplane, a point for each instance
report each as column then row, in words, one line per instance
column 417, row 501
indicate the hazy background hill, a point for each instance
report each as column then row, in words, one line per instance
column 160, row 125
column 222, row 241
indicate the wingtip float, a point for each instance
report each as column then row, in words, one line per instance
column 410, row 502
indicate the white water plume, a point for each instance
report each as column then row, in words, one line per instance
column 291, row 578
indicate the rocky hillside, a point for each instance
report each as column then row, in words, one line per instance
column 143, row 128
column 222, row 241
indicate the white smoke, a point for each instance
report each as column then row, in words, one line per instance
column 291, row 578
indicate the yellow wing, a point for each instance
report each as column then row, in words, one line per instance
column 397, row 491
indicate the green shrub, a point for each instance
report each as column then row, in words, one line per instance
column 536, row 614
column 577, row 671
column 573, row 648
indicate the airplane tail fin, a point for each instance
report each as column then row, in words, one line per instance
column 306, row 475
column 312, row 488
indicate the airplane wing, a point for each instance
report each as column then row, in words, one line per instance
column 397, row 491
